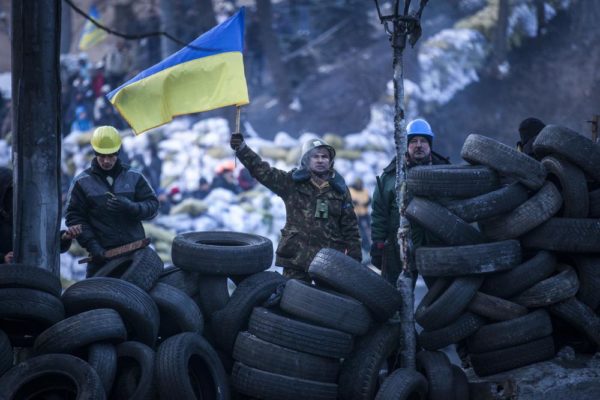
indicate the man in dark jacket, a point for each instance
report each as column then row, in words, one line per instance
column 109, row 200
column 319, row 210
column 385, row 217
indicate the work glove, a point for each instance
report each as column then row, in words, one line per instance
column 122, row 205
column 377, row 254
column 237, row 141
column 97, row 254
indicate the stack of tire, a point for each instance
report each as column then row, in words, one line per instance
column 517, row 271
column 129, row 332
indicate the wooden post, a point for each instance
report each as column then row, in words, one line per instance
column 36, row 128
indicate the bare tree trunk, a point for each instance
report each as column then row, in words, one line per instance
column 500, row 40
column 540, row 12
column 65, row 31
column 167, row 24
column 208, row 19
column 273, row 54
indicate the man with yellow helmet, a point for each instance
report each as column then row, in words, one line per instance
column 109, row 200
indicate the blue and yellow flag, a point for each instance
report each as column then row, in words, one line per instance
column 206, row 76
column 91, row 34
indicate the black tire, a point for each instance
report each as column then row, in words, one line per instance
column 136, row 307
column 517, row 331
column 13, row 276
column 52, row 375
column 253, row 291
column 186, row 281
column 403, row 384
column 135, row 372
column 103, row 358
column 467, row 260
column 495, row 308
column 490, row 204
column 178, row 312
column 588, row 271
column 579, row 316
column 270, row 386
column 25, row 313
column 578, row 149
column 594, row 197
column 222, row 253
column 492, row 362
column 460, row 383
column 6, row 353
column 80, row 330
column 535, row 211
column 436, row 367
column 454, row 181
column 187, row 367
column 510, row 283
column 359, row 375
column 571, row 183
column 325, row 308
column 571, row 235
column 463, row 327
column 446, row 226
column 297, row 335
column 269, row 357
column 508, row 161
column 435, row 312
column 142, row 268
column 348, row 276
column 551, row 290
column 212, row 295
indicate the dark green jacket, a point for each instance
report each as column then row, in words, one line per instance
column 304, row 234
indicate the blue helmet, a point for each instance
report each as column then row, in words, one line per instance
column 419, row 127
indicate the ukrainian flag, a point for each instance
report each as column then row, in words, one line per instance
column 91, row 34
column 206, row 76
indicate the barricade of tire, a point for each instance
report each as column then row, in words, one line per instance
column 518, row 275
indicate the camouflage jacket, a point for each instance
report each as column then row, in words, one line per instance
column 315, row 218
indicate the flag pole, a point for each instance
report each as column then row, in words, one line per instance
column 238, row 112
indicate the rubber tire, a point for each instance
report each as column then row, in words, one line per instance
column 579, row 316
column 466, row 325
column 212, row 295
column 572, row 185
column 495, row 308
column 576, row 148
column 467, row 260
column 42, row 372
column 438, row 220
column 186, row 281
column 436, row 367
column 269, row 357
column 510, row 283
column 136, row 307
column 499, row 335
column 488, row 205
column 588, row 271
column 142, row 268
column 297, row 335
column 508, row 161
column 436, row 311
column 570, row 235
column 501, row 360
column 460, row 383
column 6, row 353
column 233, row 318
column 359, row 375
column 325, row 308
column 187, row 367
column 15, row 276
column 594, row 197
column 551, row 290
column 80, row 330
column 454, row 181
column 103, row 358
column 270, row 386
column 222, row 253
column 134, row 381
column 535, row 211
column 348, row 276
column 178, row 312
column 403, row 384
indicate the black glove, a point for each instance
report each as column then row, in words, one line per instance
column 97, row 254
column 236, row 141
column 122, row 205
column 377, row 254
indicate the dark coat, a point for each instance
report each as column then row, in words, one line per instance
column 304, row 233
column 6, row 212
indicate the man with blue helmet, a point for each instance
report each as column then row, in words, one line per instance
column 385, row 217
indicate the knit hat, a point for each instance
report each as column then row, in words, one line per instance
column 529, row 128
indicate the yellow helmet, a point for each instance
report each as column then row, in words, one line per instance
column 106, row 140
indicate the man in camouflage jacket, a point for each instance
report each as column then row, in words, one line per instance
column 319, row 210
